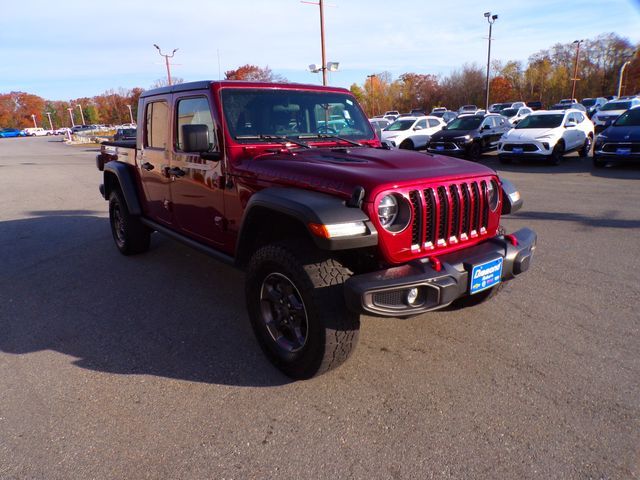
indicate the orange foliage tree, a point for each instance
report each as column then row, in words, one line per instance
column 501, row 90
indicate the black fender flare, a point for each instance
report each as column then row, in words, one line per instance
column 309, row 207
column 511, row 198
column 125, row 179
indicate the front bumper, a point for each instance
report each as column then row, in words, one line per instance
column 384, row 293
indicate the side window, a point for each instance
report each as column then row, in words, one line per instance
column 488, row 122
column 579, row 117
column 194, row 111
column 433, row 123
column 422, row 123
column 156, row 132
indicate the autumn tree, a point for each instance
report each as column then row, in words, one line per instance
column 501, row 90
column 253, row 73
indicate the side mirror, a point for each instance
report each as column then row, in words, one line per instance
column 511, row 199
column 486, row 127
column 570, row 123
column 195, row 139
column 417, row 127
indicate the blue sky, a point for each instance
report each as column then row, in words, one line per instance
column 70, row 49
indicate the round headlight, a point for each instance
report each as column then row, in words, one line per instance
column 394, row 212
column 492, row 195
column 387, row 210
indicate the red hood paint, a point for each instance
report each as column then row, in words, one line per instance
column 338, row 170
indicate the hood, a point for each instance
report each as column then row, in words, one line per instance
column 393, row 133
column 528, row 133
column 340, row 170
column 609, row 113
column 620, row 134
column 449, row 134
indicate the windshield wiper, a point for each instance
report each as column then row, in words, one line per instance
column 328, row 135
column 278, row 138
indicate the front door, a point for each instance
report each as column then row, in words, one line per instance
column 197, row 184
column 153, row 160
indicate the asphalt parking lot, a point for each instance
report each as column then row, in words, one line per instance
column 145, row 367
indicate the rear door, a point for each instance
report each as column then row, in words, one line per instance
column 197, row 187
column 152, row 158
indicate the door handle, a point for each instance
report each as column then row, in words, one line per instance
column 147, row 166
column 176, row 172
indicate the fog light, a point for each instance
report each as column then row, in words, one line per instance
column 412, row 296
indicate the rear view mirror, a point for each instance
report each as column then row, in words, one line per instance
column 195, row 138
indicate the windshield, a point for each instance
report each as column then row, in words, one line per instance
column 588, row 102
column 630, row 118
column 540, row 121
column 250, row 113
column 465, row 123
column 616, row 106
column 400, row 125
column 509, row 112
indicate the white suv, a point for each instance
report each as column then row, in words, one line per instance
column 612, row 110
column 547, row 135
column 411, row 133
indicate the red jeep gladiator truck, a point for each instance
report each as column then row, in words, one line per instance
column 290, row 183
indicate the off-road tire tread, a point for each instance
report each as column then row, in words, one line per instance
column 137, row 235
column 319, row 278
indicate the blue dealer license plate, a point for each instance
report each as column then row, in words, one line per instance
column 623, row 151
column 517, row 150
column 439, row 147
column 485, row 275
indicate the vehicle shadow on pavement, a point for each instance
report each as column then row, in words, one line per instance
column 571, row 164
column 171, row 312
column 608, row 221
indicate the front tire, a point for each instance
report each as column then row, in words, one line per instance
column 407, row 145
column 129, row 233
column 557, row 154
column 297, row 311
column 475, row 152
column 598, row 162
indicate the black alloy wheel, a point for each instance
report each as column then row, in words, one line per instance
column 586, row 148
column 475, row 152
column 557, row 154
column 283, row 312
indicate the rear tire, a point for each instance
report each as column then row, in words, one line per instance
column 297, row 310
column 586, row 148
column 129, row 233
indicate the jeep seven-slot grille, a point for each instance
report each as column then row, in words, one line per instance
column 445, row 215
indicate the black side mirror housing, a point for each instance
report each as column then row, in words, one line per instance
column 486, row 127
column 195, row 138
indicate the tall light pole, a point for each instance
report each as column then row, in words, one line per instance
column 50, row 122
column 575, row 68
column 491, row 19
column 373, row 97
column 73, row 124
column 81, row 113
column 130, row 113
column 33, row 117
column 624, row 65
column 331, row 66
column 166, row 61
